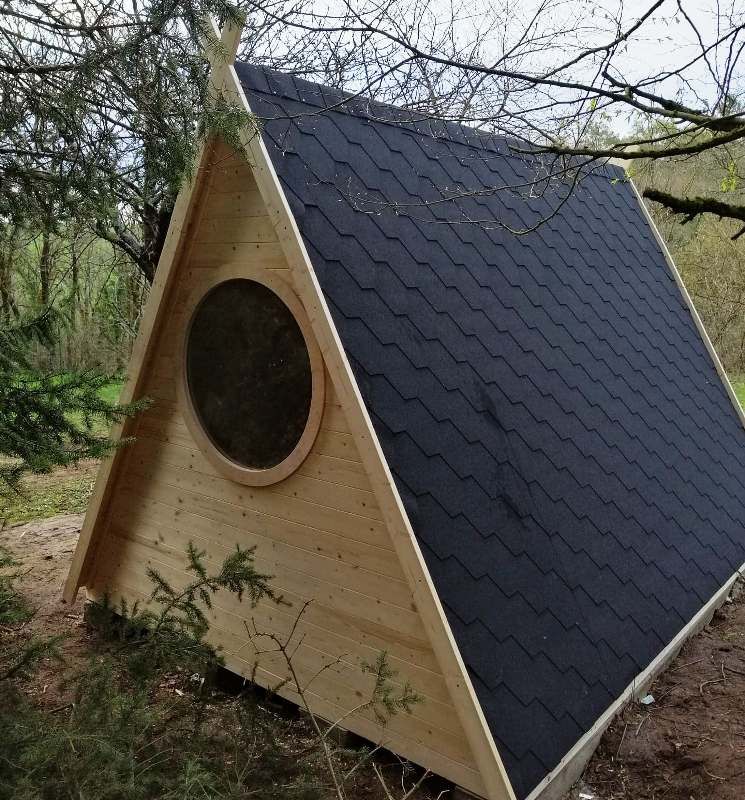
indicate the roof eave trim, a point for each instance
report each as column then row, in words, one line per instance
column 185, row 210
column 566, row 773
column 446, row 651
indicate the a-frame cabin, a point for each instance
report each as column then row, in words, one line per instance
column 512, row 463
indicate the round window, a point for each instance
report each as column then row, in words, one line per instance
column 252, row 375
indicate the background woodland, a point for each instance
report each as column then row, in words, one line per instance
column 104, row 105
column 99, row 290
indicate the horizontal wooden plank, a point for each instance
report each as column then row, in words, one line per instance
column 229, row 230
column 350, row 684
column 328, row 443
column 339, row 471
column 231, row 174
column 414, row 657
column 338, row 445
column 161, row 387
column 186, row 467
column 165, row 372
column 150, row 453
column 169, row 432
column 242, row 507
column 344, row 470
column 279, row 619
column 332, row 577
column 233, row 178
column 324, row 632
column 300, row 587
column 245, row 203
column 224, row 156
column 334, row 418
column 221, row 522
column 217, row 254
column 161, row 525
column 168, row 409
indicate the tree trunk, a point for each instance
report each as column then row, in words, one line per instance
column 45, row 267
column 74, row 278
column 5, row 287
column 155, row 227
column 8, row 308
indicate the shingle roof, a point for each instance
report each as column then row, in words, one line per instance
column 570, row 461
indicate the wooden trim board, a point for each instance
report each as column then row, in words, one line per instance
column 181, row 226
column 571, row 767
column 479, row 736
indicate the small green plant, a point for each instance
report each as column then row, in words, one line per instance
column 141, row 722
column 170, row 630
column 386, row 699
column 25, row 659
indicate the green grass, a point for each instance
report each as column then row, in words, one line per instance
column 110, row 393
column 44, row 496
column 739, row 386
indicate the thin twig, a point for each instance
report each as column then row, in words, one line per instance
column 707, row 683
column 623, row 736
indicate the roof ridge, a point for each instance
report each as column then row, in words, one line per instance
column 418, row 122
column 346, row 100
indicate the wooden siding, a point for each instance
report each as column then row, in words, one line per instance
column 320, row 532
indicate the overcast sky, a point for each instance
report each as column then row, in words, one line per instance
column 668, row 39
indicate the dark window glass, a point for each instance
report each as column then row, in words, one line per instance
column 248, row 372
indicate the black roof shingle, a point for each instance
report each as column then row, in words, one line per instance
column 570, row 461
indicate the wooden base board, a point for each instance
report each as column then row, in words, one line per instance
column 462, row 794
column 569, row 770
column 341, row 737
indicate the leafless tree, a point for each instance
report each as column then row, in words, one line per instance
column 102, row 98
column 551, row 75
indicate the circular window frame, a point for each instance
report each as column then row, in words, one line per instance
column 239, row 473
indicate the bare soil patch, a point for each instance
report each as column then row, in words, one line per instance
column 690, row 743
column 44, row 549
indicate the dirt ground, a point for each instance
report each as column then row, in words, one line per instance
column 44, row 549
column 689, row 744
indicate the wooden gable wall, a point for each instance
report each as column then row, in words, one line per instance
column 320, row 532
